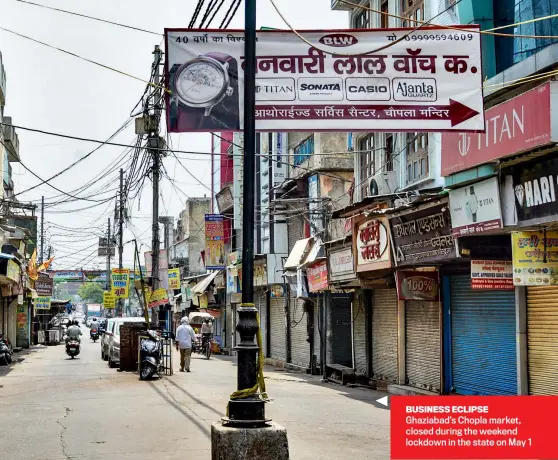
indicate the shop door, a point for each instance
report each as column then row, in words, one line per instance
column 483, row 340
column 300, row 348
column 359, row 335
column 384, row 335
column 260, row 300
column 341, row 330
column 542, row 339
column 277, row 329
column 422, row 345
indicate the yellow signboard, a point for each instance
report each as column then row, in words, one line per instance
column 174, row 278
column 109, row 301
column 533, row 263
column 158, row 297
column 120, row 282
column 42, row 303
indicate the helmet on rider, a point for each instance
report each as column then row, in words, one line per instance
column 185, row 321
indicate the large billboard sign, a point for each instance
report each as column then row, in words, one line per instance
column 426, row 80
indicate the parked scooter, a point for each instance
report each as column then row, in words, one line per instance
column 94, row 336
column 6, row 351
column 72, row 348
column 150, row 355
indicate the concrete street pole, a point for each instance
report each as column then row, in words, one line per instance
column 245, row 433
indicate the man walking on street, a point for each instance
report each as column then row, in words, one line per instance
column 184, row 338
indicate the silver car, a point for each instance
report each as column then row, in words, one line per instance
column 105, row 338
column 114, row 339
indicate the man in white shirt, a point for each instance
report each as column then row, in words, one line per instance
column 184, row 337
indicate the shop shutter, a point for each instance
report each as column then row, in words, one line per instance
column 359, row 335
column 317, row 323
column 341, row 330
column 260, row 299
column 277, row 328
column 542, row 339
column 483, row 340
column 300, row 348
column 296, row 229
column 422, row 345
column 384, row 334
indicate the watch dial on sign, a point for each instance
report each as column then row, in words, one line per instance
column 200, row 83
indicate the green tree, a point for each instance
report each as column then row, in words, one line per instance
column 91, row 292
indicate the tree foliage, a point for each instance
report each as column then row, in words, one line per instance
column 91, row 292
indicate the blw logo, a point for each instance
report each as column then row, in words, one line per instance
column 338, row 40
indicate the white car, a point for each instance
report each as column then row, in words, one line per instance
column 114, row 338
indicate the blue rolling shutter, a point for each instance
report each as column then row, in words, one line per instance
column 483, row 340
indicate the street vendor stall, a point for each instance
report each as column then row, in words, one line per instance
column 196, row 319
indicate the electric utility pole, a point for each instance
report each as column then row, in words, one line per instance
column 42, row 230
column 120, row 232
column 109, row 249
column 155, row 148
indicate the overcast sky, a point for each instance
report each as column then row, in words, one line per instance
column 52, row 91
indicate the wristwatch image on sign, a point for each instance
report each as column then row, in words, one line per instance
column 204, row 94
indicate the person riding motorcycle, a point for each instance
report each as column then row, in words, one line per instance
column 206, row 331
column 73, row 332
column 95, row 326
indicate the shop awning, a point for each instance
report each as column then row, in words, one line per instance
column 297, row 255
column 312, row 255
column 178, row 296
column 202, row 286
column 3, row 255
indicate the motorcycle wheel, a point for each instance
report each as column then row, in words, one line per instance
column 4, row 360
column 208, row 351
column 147, row 371
column 72, row 356
column 8, row 359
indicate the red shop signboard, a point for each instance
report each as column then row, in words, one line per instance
column 317, row 276
column 517, row 125
column 418, row 285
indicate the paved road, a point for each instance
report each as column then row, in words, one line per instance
column 54, row 408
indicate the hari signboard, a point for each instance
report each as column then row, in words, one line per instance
column 372, row 245
column 518, row 125
column 419, row 80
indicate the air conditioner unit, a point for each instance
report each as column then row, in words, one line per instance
column 383, row 184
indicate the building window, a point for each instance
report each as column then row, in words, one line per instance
column 367, row 162
column 384, row 20
column 362, row 20
column 304, row 150
column 389, row 153
column 413, row 10
column 417, row 157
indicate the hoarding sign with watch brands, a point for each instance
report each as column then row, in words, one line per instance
column 475, row 208
column 420, row 81
column 535, row 258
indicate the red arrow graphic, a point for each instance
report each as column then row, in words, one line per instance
column 455, row 112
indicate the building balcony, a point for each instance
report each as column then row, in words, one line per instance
column 11, row 141
column 341, row 6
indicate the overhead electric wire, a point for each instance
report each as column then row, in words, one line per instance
column 197, row 11
column 225, row 26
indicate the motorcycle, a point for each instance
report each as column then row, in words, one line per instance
column 94, row 336
column 6, row 351
column 72, row 348
column 150, row 355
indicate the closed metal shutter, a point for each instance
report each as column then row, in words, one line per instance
column 542, row 339
column 422, row 345
column 384, row 334
column 260, row 299
column 295, row 231
column 483, row 340
column 300, row 348
column 277, row 328
column 341, row 330
column 359, row 335
column 317, row 323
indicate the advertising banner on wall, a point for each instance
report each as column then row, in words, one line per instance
column 418, row 285
column 42, row 303
column 535, row 260
column 44, row 285
column 492, row 274
column 109, row 301
column 317, row 276
column 424, row 80
column 174, row 278
column 475, row 208
column 214, row 242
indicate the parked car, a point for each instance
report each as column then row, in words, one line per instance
column 105, row 338
column 114, row 339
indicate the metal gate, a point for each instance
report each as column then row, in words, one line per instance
column 277, row 329
column 261, row 305
column 359, row 335
column 300, row 348
column 483, row 340
column 341, row 330
column 384, row 334
column 422, row 344
column 542, row 339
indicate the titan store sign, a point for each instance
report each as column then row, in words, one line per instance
column 372, row 245
column 518, row 125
